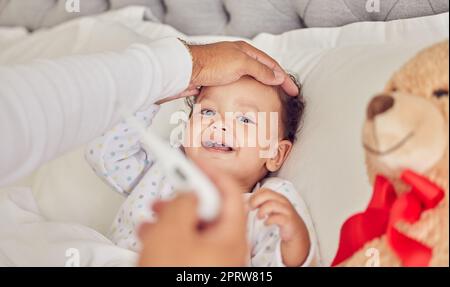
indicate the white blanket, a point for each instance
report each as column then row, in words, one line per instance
column 28, row 239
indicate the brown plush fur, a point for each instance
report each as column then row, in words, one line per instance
column 421, row 110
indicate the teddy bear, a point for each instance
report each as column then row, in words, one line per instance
column 406, row 142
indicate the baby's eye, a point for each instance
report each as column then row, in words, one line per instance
column 208, row 112
column 245, row 120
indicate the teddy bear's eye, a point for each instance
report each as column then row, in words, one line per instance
column 440, row 93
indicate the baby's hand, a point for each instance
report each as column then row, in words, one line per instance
column 278, row 210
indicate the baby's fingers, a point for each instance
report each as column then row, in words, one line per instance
column 263, row 195
column 283, row 222
column 277, row 219
column 271, row 207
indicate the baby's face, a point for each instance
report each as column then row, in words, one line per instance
column 237, row 129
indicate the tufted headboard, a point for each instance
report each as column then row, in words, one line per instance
column 225, row 17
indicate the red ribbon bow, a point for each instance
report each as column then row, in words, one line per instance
column 384, row 211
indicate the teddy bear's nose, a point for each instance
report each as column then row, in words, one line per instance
column 379, row 105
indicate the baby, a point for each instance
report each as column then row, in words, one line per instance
column 224, row 132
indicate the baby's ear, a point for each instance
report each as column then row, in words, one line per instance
column 276, row 162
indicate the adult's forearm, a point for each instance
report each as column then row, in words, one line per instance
column 48, row 107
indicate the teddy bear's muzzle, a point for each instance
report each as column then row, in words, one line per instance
column 404, row 131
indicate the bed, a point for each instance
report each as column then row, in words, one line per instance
column 64, row 207
column 224, row 17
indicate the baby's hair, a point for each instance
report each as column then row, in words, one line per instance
column 292, row 108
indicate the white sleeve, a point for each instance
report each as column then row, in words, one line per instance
column 48, row 107
column 267, row 248
column 118, row 156
column 266, row 245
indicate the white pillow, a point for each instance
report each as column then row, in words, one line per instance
column 341, row 69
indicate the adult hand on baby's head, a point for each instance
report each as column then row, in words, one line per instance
column 176, row 239
column 225, row 62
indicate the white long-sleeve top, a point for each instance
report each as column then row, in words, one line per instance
column 48, row 107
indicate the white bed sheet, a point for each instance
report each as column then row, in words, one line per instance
column 28, row 239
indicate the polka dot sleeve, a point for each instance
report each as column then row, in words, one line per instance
column 118, row 156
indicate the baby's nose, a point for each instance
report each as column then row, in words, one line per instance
column 219, row 126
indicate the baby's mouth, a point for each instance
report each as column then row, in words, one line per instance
column 214, row 146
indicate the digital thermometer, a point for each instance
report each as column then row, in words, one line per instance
column 182, row 173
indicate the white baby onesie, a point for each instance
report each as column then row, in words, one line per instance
column 123, row 162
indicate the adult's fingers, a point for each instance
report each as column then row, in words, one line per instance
column 281, row 78
column 233, row 204
column 290, row 87
column 232, row 218
column 189, row 92
column 181, row 212
column 158, row 206
column 260, row 56
column 262, row 73
column 145, row 230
